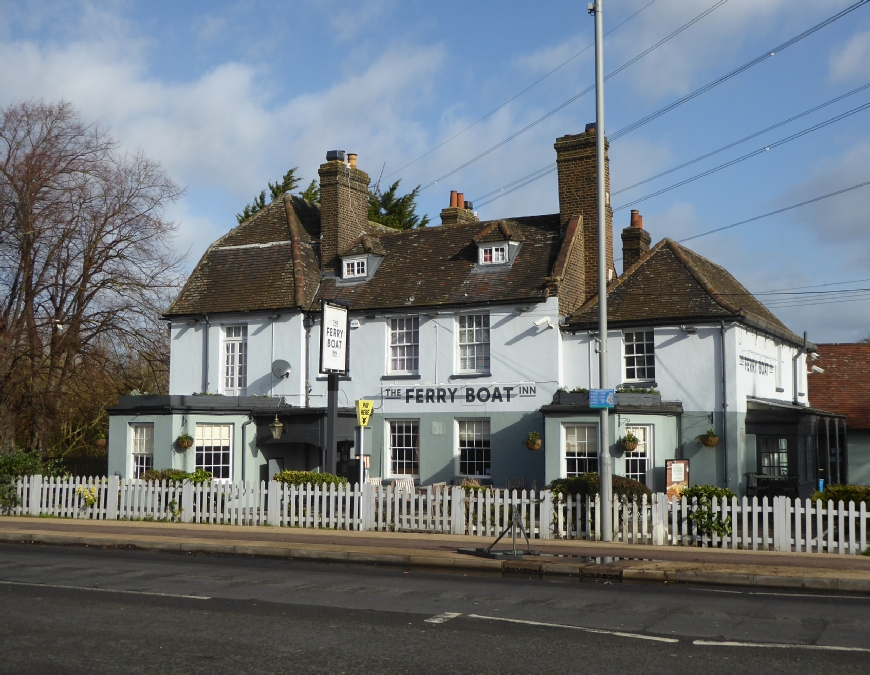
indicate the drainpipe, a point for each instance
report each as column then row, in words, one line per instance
column 306, row 320
column 244, row 444
column 724, row 405
column 795, row 371
column 205, row 353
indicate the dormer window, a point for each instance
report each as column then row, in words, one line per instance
column 493, row 255
column 355, row 268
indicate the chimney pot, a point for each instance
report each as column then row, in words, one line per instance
column 335, row 156
column 469, row 206
column 460, row 200
column 590, row 128
column 351, row 158
column 636, row 219
column 453, row 200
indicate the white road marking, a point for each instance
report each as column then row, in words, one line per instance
column 106, row 590
column 776, row 645
column 813, row 595
column 441, row 618
column 599, row 631
column 714, row 590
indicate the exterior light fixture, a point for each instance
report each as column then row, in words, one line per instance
column 277, row 428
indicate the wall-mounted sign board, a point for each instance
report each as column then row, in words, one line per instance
column 676, row 475
column 602, row 398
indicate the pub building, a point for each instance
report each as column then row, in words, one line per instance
column 468, row 337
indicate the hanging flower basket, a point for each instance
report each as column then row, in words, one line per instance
column 709, row 440
column 184, row 441
column 534, row 441
column 629, row 442
column 630, row 446
column 100, row 442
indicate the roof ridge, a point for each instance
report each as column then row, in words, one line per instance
column 294, row 225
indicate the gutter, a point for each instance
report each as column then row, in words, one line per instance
column 244, row 444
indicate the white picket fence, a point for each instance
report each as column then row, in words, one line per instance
column 780, row 524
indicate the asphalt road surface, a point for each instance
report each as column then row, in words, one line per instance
column 71, row 609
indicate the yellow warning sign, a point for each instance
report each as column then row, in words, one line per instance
column 364, row 411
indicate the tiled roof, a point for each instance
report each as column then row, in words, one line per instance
column 672, row 284
column 844, row 387
column 434, row 266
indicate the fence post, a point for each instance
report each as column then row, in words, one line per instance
column 113, row 491
column 366, row 507
column 781, row 529
column 545, row 526
column 272, row 503
column 457, row 510
column 659, row 519
column 35, row 494
column 186, row 505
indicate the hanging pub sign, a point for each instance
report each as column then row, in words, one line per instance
column 334, row 348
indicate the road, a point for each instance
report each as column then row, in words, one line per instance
column 73, row 609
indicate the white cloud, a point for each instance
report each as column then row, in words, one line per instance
column 852, row 61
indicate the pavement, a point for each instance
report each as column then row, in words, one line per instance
column 558, row 559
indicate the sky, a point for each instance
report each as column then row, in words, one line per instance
column 228, row 95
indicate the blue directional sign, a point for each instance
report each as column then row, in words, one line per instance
column 602, row 398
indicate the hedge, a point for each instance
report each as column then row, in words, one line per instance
column 177, row 476
column 847, row 493
column 305, row 477
column 624, row 489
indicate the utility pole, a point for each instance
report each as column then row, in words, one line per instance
column 605, row 465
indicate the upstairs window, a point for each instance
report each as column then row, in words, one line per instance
column 354, row 268
column 405, row 345
column 235, row 360
column 493, row 255
column 474, row 343
column 640, row 360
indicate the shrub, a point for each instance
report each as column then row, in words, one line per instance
column 847, row 493
column 178, row 476
column 305, row 477
column 18, row 463
column 702, row 513
column 624, row 489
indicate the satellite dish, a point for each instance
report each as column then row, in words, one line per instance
column 280, row 369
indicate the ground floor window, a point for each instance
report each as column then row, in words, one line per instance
column 581, row 449
column 142, row 448
column 214, row 449
column 405, row 448
column 638, row 461
column 474, row 448
column 774, row 456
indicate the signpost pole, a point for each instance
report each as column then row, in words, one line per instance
column 362, row 433
column 331, row 417
column 605, row 466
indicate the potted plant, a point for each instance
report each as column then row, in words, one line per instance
column 629, row 441
column 534, row 441
column 710, row 439
column 184, row 441
column 100, row 440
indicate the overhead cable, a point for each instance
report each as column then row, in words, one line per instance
column 517, row 95
column 577, row 96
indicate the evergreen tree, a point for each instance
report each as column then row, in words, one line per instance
column 400, row 213
column 311, row 193
column 277, row 189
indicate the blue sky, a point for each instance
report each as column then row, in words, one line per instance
column 228, row 95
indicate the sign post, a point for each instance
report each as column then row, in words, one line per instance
column 334, row 361
column 363, row 413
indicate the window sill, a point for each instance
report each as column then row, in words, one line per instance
column 401, row 377
column 469, row 376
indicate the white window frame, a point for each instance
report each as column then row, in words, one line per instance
column 200, row 440
column 485, row 346
column 388, row 432
column 626, row 356
column 645, row 448
column 486, row 423
column 592, row 432
column 411, row 349
column 234, row 376
column 497, row 253
column 354, row 268
column 136, row 455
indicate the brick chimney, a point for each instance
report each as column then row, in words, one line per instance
column 344, row 206
column 575, row 160
column 459, row 212
column 635, row 241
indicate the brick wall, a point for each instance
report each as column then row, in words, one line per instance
column 575, row 158
column 343, row 210
column 844, row 387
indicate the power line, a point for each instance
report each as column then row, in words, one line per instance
column 742, row 140
column 746, row 66
column 833, row 283
column 748, row 155
column 644, row 120
column 516, row 96
column 577, row 96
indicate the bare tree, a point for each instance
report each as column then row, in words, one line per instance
column 86, row 263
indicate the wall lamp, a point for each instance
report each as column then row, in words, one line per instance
column 277, row 428
column 544, row 322
column 691, row 330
